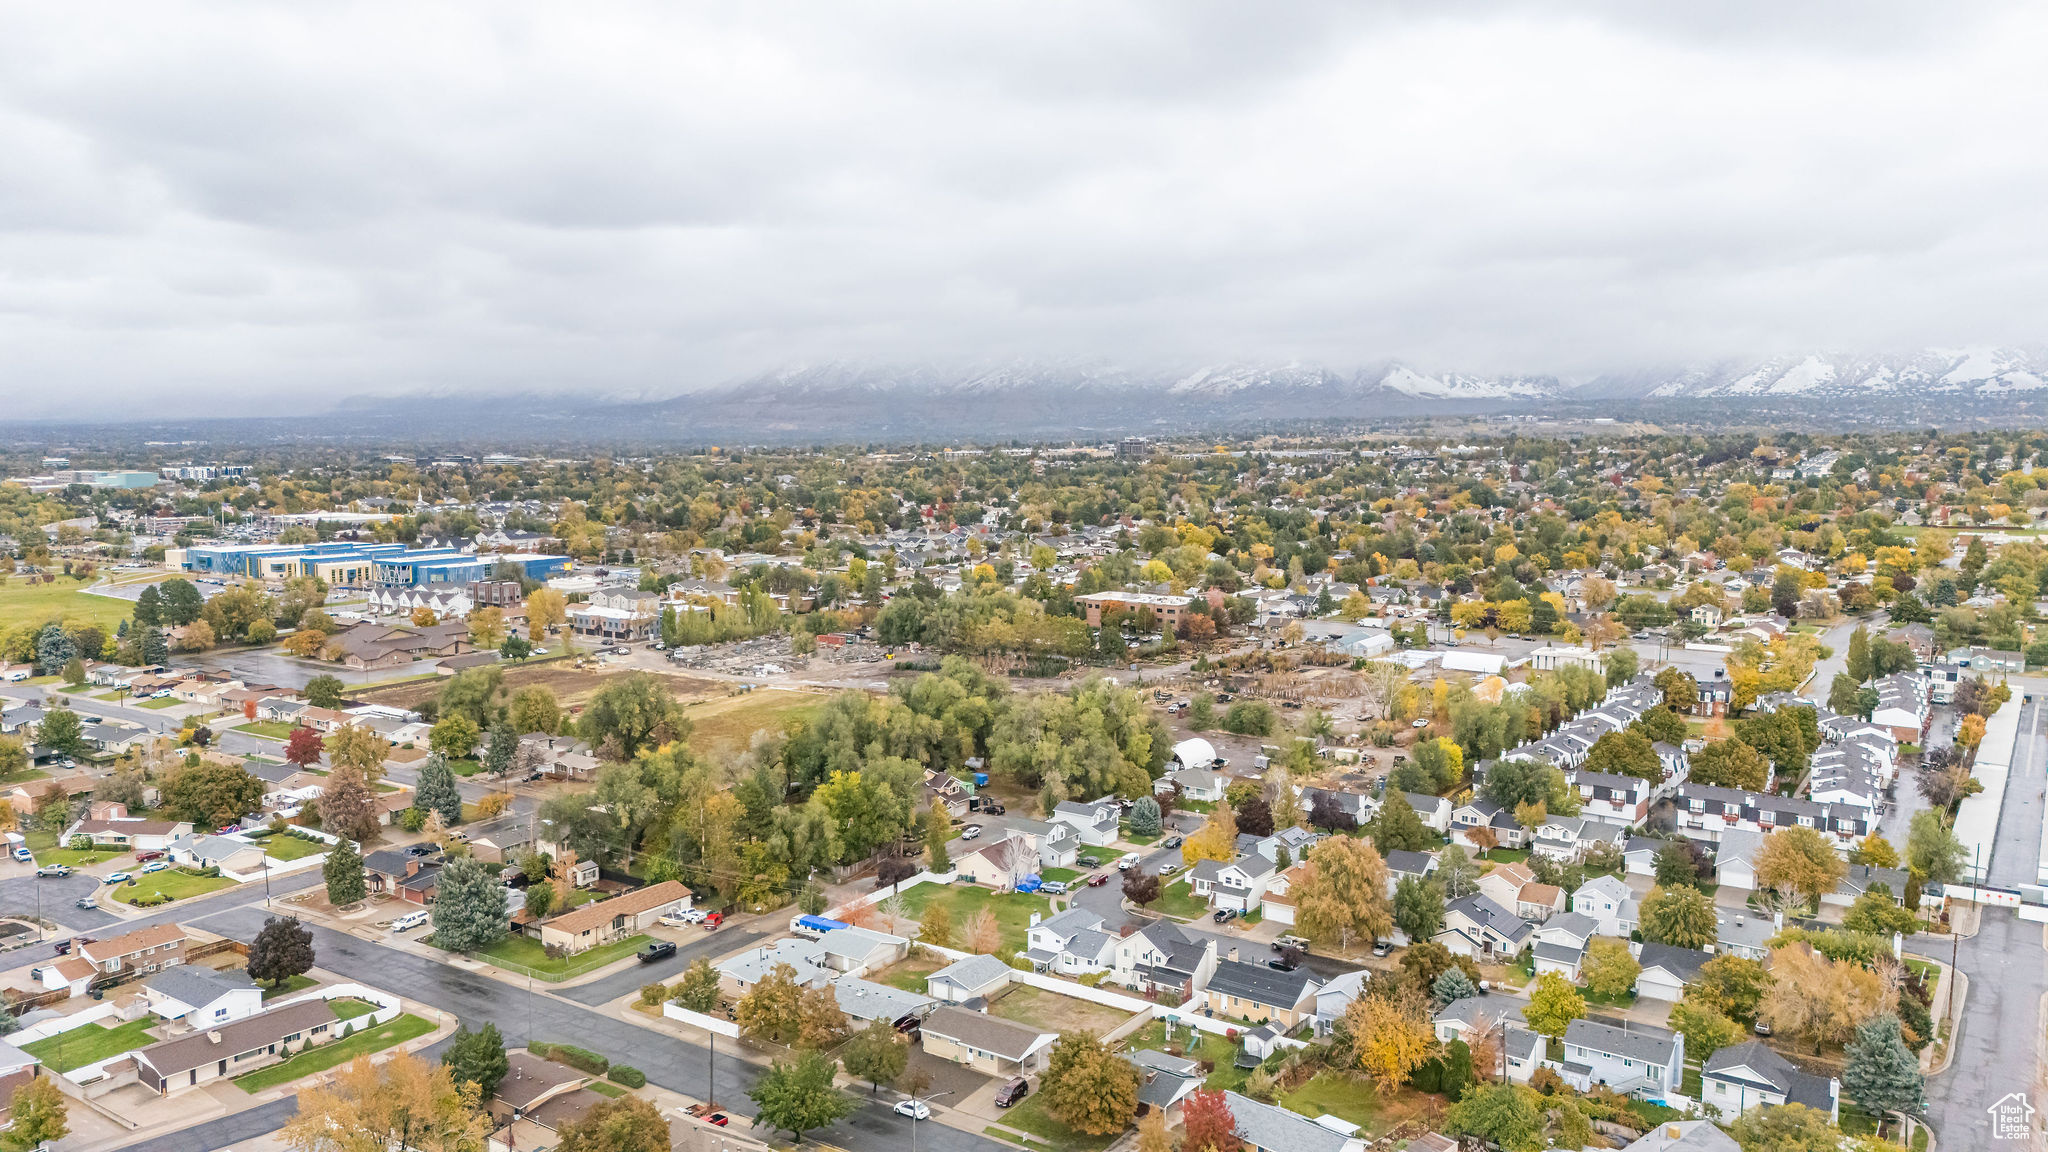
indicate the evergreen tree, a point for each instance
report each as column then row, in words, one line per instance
column 698, row 989
column 343, row 871
column 1883, row 1075
column 282, row 949
column 54, row 649
column 503, row 747
column 436, row 791
column 1859, row 662
column 1146, row 818
column 470, row 907
column 1453, row 984
column 153, row 647
column 149, row 610
column 478, row 1058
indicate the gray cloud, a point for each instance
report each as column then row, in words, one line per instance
column 233, row 209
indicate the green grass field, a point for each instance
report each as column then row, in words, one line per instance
column 173, row 883
column 271, row 729
column 1012, row 910
column 731, row 721
column 298, row 983
column 284, row 846
column 24, row 603
column 520, row 954
column 90, row 1043
column 398, row 1031
column 44, row 845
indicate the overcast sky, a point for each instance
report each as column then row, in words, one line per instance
column 237, row 208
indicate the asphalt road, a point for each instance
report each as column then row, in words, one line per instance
column 19, row 897
column 150, row 718
column 523, row 1015
column 1997, row 1047
column 710, row 945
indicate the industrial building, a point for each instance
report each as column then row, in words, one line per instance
column 355, row 564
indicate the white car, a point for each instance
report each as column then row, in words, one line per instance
column 1420, row 722
column 1129, row 862
column 155, row 866
column 118, row 877
column 970, row 832
column 915, row 1109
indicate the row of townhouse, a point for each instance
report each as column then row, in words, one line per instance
column 1707, row 812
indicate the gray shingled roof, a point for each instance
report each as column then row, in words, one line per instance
column 1643, row 1042
column 1268, row 1127
column 1260, row 984
column 197, row 986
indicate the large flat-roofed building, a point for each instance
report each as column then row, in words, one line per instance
column 356, row 564
column 1169, row 609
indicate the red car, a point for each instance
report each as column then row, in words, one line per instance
column 146, row 857
column 712, row 920
column 1098, row 880
column 718, row 1118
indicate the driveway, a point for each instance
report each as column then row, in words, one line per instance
column 629, row 980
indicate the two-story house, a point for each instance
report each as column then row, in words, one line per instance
column 1751, row 1075
column 1609, row 903
column 1478, row 927
column 1248, row 991
column 1479, row 812
column 1095, row 822
column 1239, row 885
column 1069, row 942
column 143, row 950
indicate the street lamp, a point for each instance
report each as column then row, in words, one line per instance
column 913, row 1114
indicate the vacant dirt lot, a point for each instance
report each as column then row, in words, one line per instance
column 571, row 685
column 1054, row 1013
column 728, row 723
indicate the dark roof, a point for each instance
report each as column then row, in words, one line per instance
column 1260, row 984
column 1683, row 963
column 988, row 1033
column 195, row 985
column 1650, row 1044
column 1771, row 1071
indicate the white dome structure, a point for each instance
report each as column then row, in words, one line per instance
column 1195, row 753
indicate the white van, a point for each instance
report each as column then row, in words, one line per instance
column 409, row 921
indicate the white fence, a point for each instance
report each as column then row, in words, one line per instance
column 388, row 1005
column 675, row 1011
column 44, row 1029
column 881, row 894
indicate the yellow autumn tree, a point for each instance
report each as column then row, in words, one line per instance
column 1217, row 839
column 1391, row 1036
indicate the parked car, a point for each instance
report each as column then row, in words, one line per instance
column 970, row 832
column 1056, row 887
column 1173, row 841
column 1129, row 861
column 24, row 855
column 156, row 866
column 54, row 870
column 118, row 877
column 659, row 950
column 993, row 807
column 712, row 920
column 1224, row 915
column 1283, row 964
column 84, row 902
column 1089, row 862
column 1297, row 943
column 1381, row 947
column 915, row 1109
column 1762, row 1029
column 1098, row 880
column 1012, row 1092
column 146, row 857
column 409, row 921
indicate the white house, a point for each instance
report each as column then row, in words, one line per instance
column 1666, row 970
column 1735, row 859
column 1478, row 927
column 1071, row 943
column 1750, row 1075
column 1608, row 903
column 1095, row 821
column 202, row 997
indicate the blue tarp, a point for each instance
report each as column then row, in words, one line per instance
column 819, row 923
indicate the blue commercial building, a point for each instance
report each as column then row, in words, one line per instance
column 354, row 564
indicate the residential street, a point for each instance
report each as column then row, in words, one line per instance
column 1997, row 1050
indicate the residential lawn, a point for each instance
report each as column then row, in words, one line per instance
column 1054, row 1012
column 1064, row 874
column 1180, row 902
column 1928, row 969
column 1253, row 916
column 44, row 845
column 90, row 1043
column 348, row 1007
column 285, row 846
column 731, row 721
column 606, row 1088
column 333, row 1055
column 1030, row 1115
column 273, row 729
column 298, row 983
column 176, row 884
column 1143, row 841
column 467, row 766
column 1626, row 998
column 521, row 954
column 910, row 973
column 1204, row 806
column 1012, row 909
column 1504, row 856
column 166, row 702
column 66, row 600
column 1340, row 1094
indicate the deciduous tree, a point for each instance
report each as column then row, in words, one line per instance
column 1390, row 1036
column 403, row 1102
column 1553, row 1003
column 1785, row 1128
column 1342, row 897
column 325, row 691
column 1609, row 970
column 38, row 1114
column 1730, row 764
column 627, row 1124
column 283, row 948
column 1206, row 1123
column 1418, row 907
column 876, row 1054
column 797, row 1096
column 477, row 1058
column 1510, row 1115
column 1215, row 840
column 698, row 989
column 771, row 1008
column 1089, row 1088
column 1799, row 864
column 1817, row 998
column 1680, row 917
column 212, row 794
column 347, row 806
column 304, row 747
column 357, row 747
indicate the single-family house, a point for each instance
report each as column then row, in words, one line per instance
column 1478, row 813
column 1666, row 970
column 1560, row 944
column 1640, row 1059
column 226, row 853
column 1609, row 903
column 985, row 1043
column 1751, row 1075
column 1477, row 926
column 1267, row 1128
column 1000, row 864
column 1070, row 942
column 412, row 879
column 1202, row 785
column 202, row 997
column 244, row 1045
column 1254, row 992
column 1164, row 1081
column 1435, row 811
column 1684, row 1136
column 1095, row 821
column 581, row 929
column 107, row 824
column 143, row 950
